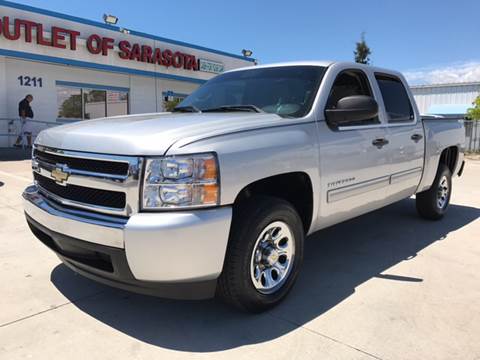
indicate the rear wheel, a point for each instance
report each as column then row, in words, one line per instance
column 264, row 254
column 433, row 203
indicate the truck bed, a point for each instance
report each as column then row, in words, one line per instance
column 440, row 133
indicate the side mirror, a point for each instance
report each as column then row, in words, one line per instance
column 352, row 108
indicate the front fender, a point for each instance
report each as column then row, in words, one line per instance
column 248, row 156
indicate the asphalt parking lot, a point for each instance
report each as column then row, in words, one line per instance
column 386, row 285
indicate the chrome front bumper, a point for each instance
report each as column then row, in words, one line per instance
column 96, row 228
column 174, row 246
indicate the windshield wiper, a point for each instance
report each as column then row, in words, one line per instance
column 188, row 108
column 250, row 108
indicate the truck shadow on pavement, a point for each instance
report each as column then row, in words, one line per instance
column 337, row 260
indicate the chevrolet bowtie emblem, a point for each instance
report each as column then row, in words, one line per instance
column 59, row 175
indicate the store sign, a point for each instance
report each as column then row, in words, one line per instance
column 63, row 38
column 210, row 66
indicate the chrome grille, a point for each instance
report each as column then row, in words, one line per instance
column 96, row 166
column 96, row 197
column 98, row 182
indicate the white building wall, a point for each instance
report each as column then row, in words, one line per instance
column 3, row 104
column 145, row 92
column 113, row 59
column 146, row 82
column 460, row 94
column 3, row 88
column 44, row 103
column 142, row 95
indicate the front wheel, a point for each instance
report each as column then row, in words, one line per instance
column 264, row 254
column 433, row 203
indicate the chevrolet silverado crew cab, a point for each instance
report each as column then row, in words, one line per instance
column 216, row 197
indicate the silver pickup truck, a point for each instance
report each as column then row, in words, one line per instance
column 216, row 198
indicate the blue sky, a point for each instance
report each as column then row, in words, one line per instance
column 430, row 41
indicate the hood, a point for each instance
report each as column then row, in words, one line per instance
column 149, row 134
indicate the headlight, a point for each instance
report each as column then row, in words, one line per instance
column 181, row 181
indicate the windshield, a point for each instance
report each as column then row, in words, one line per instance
column 288, row 91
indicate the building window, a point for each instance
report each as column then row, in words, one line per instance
column 172, row 99
column 69, row 101
column 85, row 103
column 94, row 104
column 173, row 96
column 117, row 103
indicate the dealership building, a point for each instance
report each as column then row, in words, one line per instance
column 79, row 69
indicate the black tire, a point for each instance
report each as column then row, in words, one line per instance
column 235, row 285
column 427, row 202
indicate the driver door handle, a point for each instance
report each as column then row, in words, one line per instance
column 416, row 137
column 380, row 142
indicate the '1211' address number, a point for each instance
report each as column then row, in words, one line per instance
column 30, row 81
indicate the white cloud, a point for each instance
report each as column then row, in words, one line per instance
column 453, row 73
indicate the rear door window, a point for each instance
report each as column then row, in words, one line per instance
column 395, row 97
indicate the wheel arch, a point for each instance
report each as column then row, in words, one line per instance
column 449, row 157
column 294, row 187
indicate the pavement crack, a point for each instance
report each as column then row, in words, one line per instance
column 326, row 336
column 51, row 308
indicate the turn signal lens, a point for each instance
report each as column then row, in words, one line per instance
column 207, row 194
column 207, row 169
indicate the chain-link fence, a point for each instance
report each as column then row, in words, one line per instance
column 472, row 135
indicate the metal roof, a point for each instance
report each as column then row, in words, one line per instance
column 473, row 83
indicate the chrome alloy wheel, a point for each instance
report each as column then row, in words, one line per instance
column 442, row 192
column 272, row 257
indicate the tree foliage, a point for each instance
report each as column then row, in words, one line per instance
column 362, row 52
column 169, row 105
column 473, row 113
column 71, row 107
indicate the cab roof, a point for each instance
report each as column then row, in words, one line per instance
column 322, row 63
